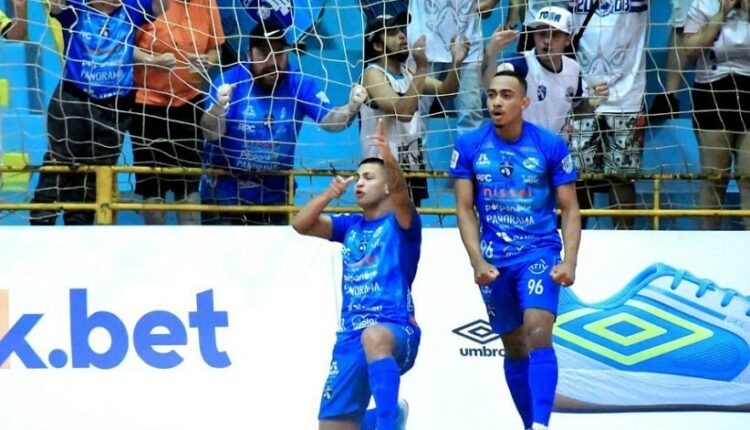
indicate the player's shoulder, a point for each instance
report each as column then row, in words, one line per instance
column 475, row 136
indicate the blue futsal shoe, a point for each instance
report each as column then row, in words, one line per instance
column 669, row 341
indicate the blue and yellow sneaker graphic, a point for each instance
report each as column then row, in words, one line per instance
column 669, row 341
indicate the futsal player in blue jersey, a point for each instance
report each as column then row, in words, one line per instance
column 378, row 335
column 252, row 124
column 515, row 174
column 88, row 114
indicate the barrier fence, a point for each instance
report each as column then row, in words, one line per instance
column 107, row 205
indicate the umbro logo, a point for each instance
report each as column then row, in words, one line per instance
column 478, row 331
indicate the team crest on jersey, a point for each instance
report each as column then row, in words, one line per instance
column 506, row 168
column 541, row 92
column 531, row 163
column 567, row 164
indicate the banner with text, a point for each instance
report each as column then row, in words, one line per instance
column 176, row 328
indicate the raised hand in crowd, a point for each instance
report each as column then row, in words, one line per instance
column 459, row 50
column 419, row 52
column 357, row 96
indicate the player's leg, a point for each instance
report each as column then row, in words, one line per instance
column 346, row 391
column 390, row 350
column 539, row 297
column 516, row 367
column 506, row 318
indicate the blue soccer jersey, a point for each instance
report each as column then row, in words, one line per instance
column 99, row 47
column 514, row 189
column 261, row 133
column 379, row 264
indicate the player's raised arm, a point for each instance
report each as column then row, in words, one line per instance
column 397, row 189
column 310, row 220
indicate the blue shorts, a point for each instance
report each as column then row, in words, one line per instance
column 526, row 285
column 347, row 390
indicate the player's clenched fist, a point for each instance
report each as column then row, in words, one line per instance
column 357, row 96
column 224, row 95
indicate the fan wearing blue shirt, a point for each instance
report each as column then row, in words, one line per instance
column 88, row 114
column 252, row 124
column 515, row 174
column 378, row 335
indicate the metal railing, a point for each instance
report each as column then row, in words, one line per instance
column 106, row 205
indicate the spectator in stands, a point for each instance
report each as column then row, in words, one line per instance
column 554, row 80
column 252, row 125
column 527, row 10
column 612, row 49
column 89, row 111
column 239, row 17
column 716, row 34
column 175, row 53
column 666, row 104
column 15, row 28
column 555, row 87
column 441, row 22
column 510, row 176
column 378, row 337
column 394, row 92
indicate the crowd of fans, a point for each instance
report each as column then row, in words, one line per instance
column 162, row 72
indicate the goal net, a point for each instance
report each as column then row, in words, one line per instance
column 326, row 41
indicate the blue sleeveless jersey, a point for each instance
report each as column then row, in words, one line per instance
column 99, row 47
column 514, row 189
column 261, row 133
column 379, row 264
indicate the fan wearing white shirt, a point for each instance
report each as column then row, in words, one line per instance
column 717, row 35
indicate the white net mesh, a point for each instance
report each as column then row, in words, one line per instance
column 327, row 42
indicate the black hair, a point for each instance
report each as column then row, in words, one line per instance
column 372, row 160
column 514, row 74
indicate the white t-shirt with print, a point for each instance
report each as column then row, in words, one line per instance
column 442, row 20
column 613, row 49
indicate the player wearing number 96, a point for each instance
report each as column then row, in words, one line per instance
column 515, row 174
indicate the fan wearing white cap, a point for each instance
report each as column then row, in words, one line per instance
column 554, row 80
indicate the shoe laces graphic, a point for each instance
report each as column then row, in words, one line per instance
column 705, row 285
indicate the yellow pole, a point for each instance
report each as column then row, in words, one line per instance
column 657, row 201
column 290, row 198
column 104, row 177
